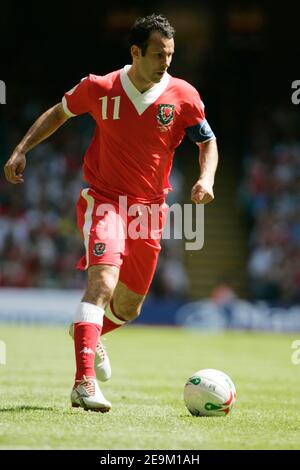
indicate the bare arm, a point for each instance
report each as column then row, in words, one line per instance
column 202, row 191
column 43, row 127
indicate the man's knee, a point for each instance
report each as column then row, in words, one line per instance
column 127, row 312
column 126, row 303
column 102, row 280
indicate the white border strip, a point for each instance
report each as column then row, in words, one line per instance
column 109, row 314
column 87, row 222
column 89, row 313
column 65, row 107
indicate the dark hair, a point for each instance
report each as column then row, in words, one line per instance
column 143, row 27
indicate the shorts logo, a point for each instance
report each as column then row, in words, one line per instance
column 99, row 249
column 165, row 114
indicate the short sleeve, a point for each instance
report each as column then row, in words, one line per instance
column 77, row 100
column 197, row 127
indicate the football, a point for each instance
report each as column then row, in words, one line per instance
column 209, row 392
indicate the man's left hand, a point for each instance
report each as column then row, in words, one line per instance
column 202, row 192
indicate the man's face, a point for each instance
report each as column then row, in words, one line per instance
column 157, row 58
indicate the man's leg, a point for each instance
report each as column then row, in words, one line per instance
column 125, row 306
column 102, row 280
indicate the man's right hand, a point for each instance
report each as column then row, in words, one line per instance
column 14, row 167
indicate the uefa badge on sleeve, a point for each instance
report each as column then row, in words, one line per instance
column 99, row 249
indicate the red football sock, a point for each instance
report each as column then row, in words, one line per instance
column 86, row 337
column 110, row 320
column 86, row 334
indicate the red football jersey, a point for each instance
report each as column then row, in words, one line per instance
column 136, row 133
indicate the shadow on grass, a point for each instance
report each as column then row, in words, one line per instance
column 27, row 408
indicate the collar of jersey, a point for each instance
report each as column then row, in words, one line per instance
column 142, row 101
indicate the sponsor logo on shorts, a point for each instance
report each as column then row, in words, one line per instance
column 99, row 249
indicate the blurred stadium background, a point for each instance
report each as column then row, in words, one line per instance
column 241, row 56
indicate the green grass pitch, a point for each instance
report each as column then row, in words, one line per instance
column 150, row 367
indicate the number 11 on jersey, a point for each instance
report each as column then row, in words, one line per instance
column 116, row 100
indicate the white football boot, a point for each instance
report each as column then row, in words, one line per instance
column 101, row 363
column 88, row 396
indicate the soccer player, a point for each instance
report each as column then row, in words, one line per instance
column 141, row 114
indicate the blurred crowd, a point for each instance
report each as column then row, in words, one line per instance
column 39, row 240
column 270, row 194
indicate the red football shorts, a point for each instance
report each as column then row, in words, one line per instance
column 116, row 235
